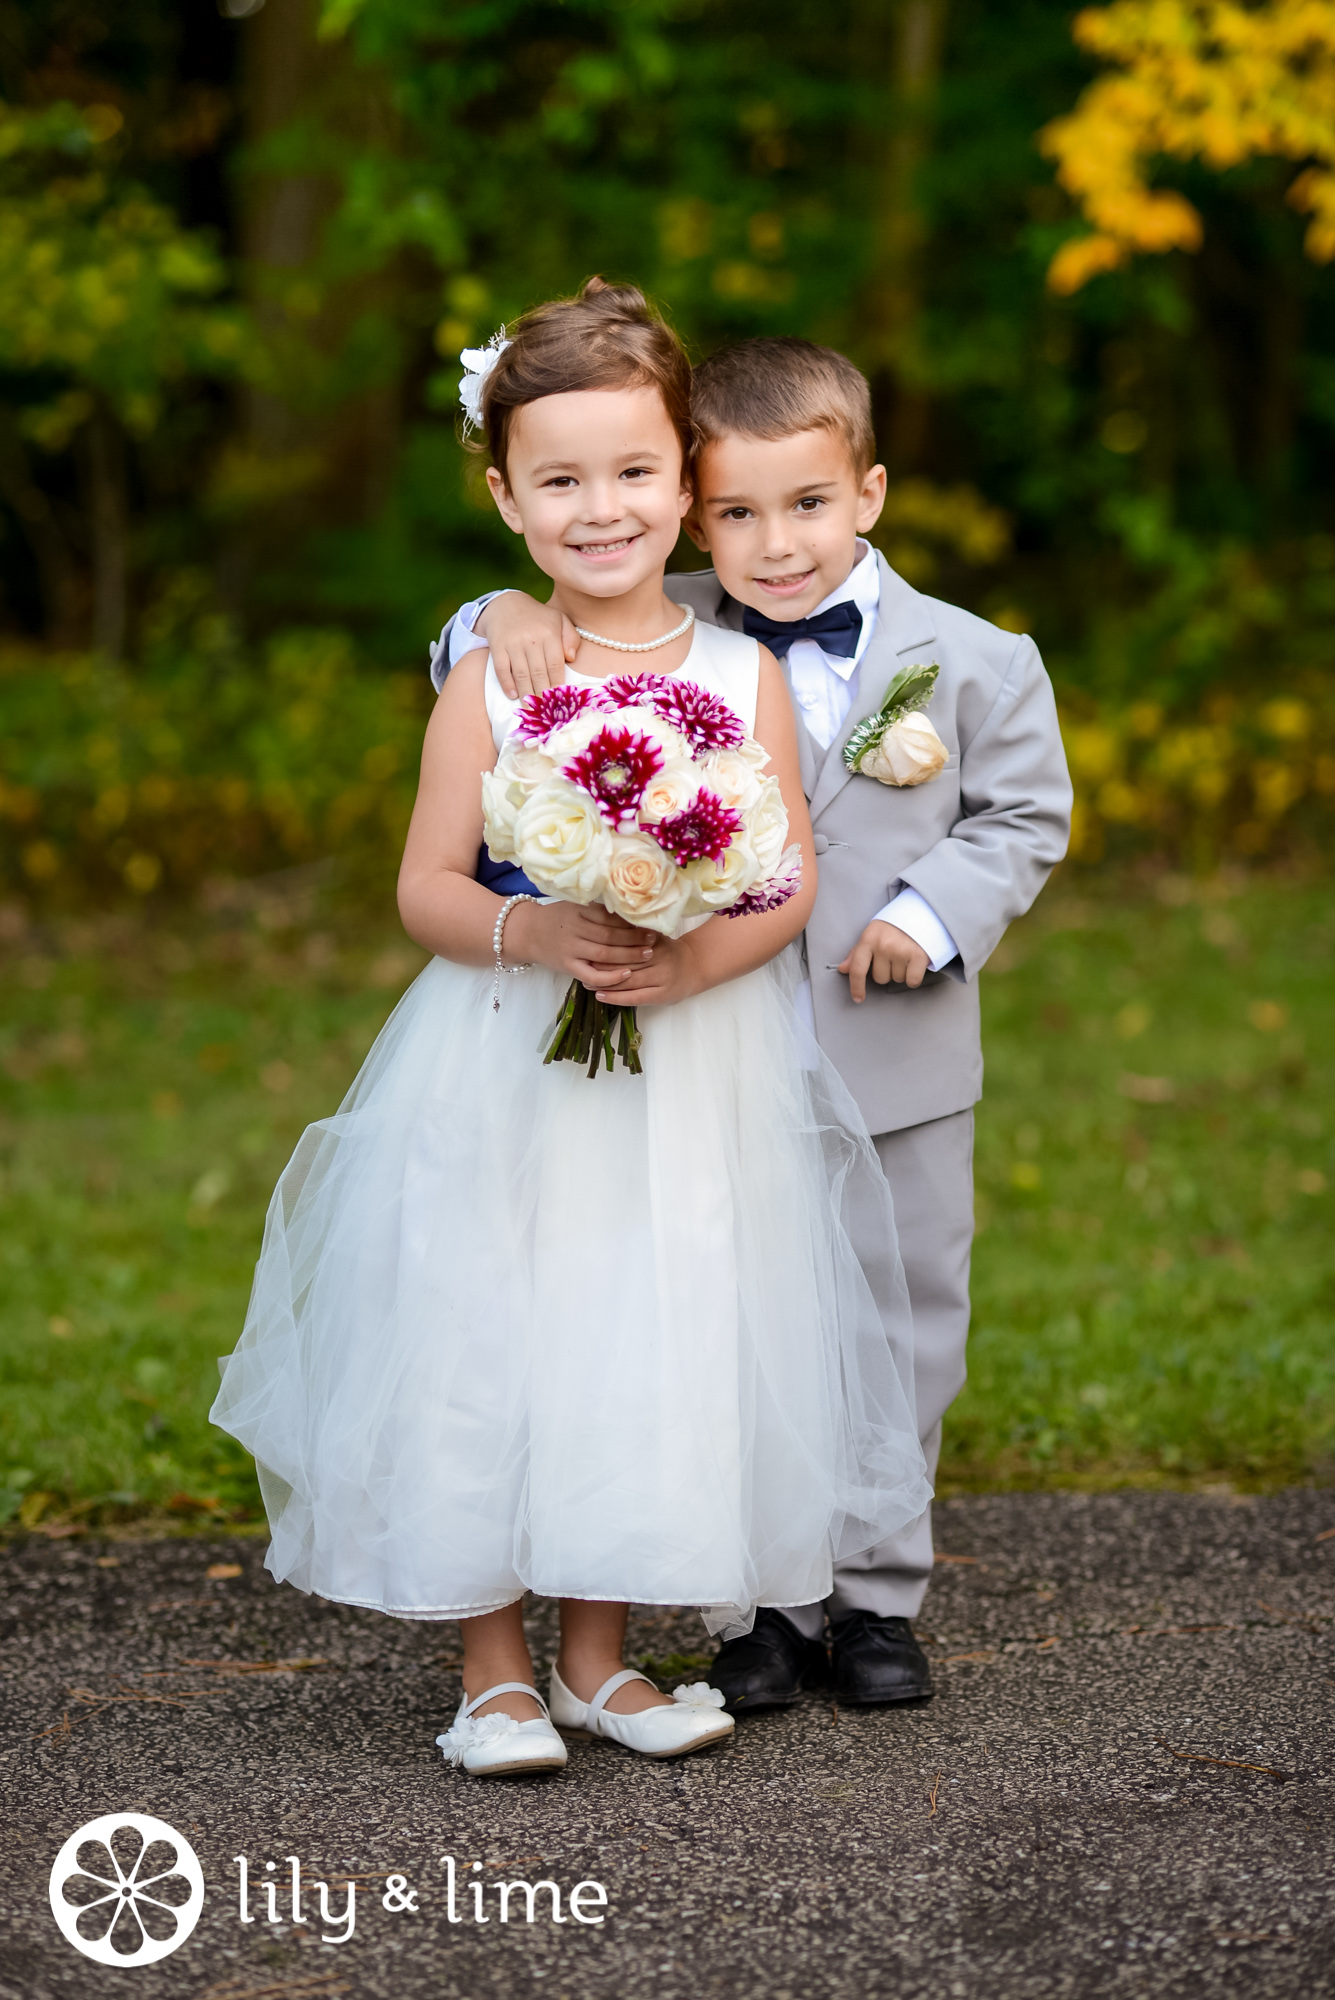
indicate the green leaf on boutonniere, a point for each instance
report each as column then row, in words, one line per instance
column 909, row 690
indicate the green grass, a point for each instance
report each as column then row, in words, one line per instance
column 1154, row 1281
column 1154, row 1278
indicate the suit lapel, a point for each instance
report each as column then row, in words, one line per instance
column 903, row 625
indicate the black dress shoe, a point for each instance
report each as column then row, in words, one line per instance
column 769, row 1666
column 878, row 1660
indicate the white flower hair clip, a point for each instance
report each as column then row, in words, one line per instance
column 478, row 364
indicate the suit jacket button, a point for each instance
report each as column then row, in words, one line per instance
column 820, row 843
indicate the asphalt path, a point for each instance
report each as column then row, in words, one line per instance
column 1125, row 1785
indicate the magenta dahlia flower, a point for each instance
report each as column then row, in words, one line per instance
column 703, row 832
column 706, row 722
column 541, row 715
column 633, row 690
column 773, row 893
column 614, row 769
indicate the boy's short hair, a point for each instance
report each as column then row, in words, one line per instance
column 774, row 387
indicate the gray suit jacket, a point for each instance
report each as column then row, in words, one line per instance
column 978, row 842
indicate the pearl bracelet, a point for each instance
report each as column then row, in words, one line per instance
column 497, row 936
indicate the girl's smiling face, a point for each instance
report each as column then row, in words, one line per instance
column 596, row 485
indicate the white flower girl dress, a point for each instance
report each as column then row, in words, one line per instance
column 513, row 1329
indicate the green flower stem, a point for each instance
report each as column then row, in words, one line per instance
column 585, row 1033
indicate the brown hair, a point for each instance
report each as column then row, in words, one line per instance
column 775, row 387
column 609, row 337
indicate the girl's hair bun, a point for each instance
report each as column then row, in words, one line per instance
column 607, row 337
column 625, row 302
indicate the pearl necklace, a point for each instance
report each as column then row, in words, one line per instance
column 647, row 645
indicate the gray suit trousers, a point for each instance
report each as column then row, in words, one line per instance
column 930, row 1171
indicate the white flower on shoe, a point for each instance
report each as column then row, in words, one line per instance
column 470, row 1732
column 699, row 1695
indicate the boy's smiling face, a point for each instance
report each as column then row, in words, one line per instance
column 781, row 517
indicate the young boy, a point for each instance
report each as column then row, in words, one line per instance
column 917, row 882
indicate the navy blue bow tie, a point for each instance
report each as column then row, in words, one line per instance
column 835, row 631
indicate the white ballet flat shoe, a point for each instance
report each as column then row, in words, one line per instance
column 500, row 1746
column 694, row 1721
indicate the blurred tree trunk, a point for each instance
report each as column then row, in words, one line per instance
column 1254, row 321
column 307, row 455
column 57, row 578
column 285, row 74
column 912, row 55
column 104, row 463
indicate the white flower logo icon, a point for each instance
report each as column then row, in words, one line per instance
column 126, row 1889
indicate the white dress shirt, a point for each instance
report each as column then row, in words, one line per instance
column 824, row 688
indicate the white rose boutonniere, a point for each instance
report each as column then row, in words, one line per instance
column 898, row 745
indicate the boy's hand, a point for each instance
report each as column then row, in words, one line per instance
column 889, row 954
column 530, row 643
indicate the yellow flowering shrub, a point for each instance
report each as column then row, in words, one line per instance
column 1244, row 779
column 117, row 783
column 209, row 763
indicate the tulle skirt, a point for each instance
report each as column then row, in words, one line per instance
column 515, row 1330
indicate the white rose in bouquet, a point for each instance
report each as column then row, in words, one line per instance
column 733, row 776
column 562, row 843
column 719, row 884
column 520, row 770
column 501, row 802
column 525, row 764
column 669, row 740
column 645, row 886
column 767, row 826
column 574, row 736
column 672, row 791
column 909, row 753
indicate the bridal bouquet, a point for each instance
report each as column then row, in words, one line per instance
column 644, row 794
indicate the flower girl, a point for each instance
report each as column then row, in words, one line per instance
column 520, row 1327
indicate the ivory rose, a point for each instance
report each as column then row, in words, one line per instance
column 733, row 776
column 645, row 886
column 500, row 808
column 671, row 791
column 669, row 740
column 562, row 844
column 767, row 824
column 909, row 753
column 525, row 764
column 718, row 884
column 567, row 742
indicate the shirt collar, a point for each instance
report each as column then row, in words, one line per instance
column 861, row 587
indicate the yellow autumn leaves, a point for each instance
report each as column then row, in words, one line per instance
column 1205, row 80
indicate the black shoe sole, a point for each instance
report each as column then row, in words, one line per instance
column 885, row 1700
column 751, row 1704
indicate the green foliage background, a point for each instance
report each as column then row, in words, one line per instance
column 242, row 243
column 252, row 243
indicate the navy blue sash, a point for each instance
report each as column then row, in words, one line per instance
column 503, row 878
